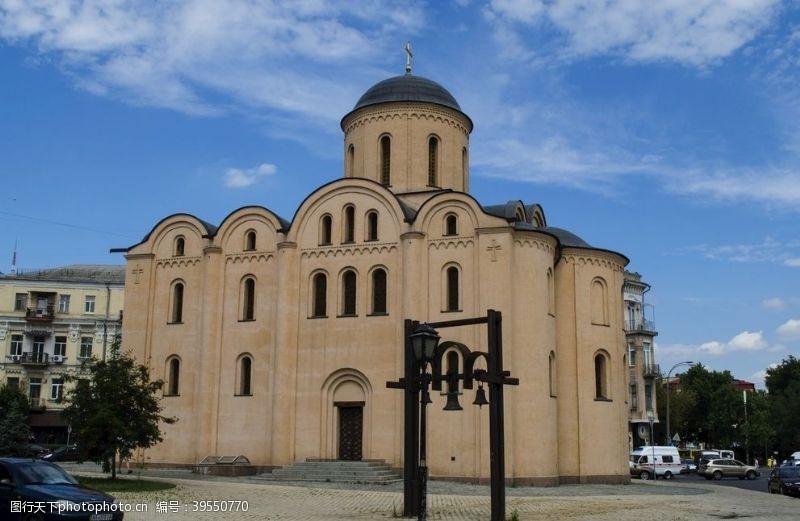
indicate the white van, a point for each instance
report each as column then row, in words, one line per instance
column 667, row 462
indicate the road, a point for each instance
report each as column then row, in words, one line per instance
column 759, row 484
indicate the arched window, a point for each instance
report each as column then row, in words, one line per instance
column 386, row 152
column 250, row 240
column 433, row 161
column 600, row 376
column 244, row 377
column 349, row 224
column 248, row 299
column 176, row 309
column 552, row 373
column 599, row 302
column 452, row 289
column 349, row 293
column 320, row 308
column 325, row 228
column 379, row 291
column 372, row 226
column 351, row 157
column 464, row 176
column 451, row 224
column 173, row 376
column 551, row 293
column 180, row 246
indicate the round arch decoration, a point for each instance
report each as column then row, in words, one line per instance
column 344, row 386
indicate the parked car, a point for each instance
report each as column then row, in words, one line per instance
column 726, row 468
column 32, row 483
column 65, row 453
column 650, row 462
column 689, row 466
column 784, row 480
column 32, row 450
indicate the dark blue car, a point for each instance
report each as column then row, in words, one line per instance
column 35, row 490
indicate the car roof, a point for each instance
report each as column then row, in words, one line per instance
column 19, row 460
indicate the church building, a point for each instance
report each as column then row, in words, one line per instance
column 275, row 337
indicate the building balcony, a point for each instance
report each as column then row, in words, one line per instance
column 651, row 371
column 37, row 404
column 640, row 324
column 46, row 314
column 35, row 359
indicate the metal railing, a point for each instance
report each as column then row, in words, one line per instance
column 640, row 325
column 651, row 370
column 35, row 358
column 43, row 314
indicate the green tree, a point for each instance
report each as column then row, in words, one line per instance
column 13, row 420
column 783, row 385
column 759, row 424
column 716, row 413
column 114, row 409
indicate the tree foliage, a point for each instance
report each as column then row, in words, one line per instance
column 783, row 385
column 13, row 420
column 114, row 409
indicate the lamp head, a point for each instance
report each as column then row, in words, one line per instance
column 424, row 340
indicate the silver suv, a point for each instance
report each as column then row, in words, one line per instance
column 726, row 468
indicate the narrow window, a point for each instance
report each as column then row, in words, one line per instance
column 173, row 385
column 451, row 224
column 176, row 317
column 57, row 389
column 60, row 346
column 600, row 383
column 379, row 291
column 20, row 301
column 88, row 304
column 16, row 345
column 433, row 160
column 179, row 246
column 372, row 226
column 325, row 230
column 63, row 303
column 552, row 373
column 452, row 288
column 250, row 241
column 351, row 156
column 349, row 224
column 320, row 295
column 245, row 370
column 349, row 293
column 386, row 151
column 551, row 293
column 464, row 177
column 86, row 347
column 599, row 302
column 249, row 299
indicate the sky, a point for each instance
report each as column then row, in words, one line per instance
column 668, row 131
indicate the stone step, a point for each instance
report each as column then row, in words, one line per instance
column 371, row 471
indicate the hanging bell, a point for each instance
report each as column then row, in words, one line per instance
column 426, row 397
column 480, row 397
column 452, row 402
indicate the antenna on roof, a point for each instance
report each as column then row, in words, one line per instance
column 408, row 57
column 14, row 259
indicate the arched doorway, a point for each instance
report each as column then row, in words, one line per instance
column 346, row 416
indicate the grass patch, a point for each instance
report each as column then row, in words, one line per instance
column 124, row 485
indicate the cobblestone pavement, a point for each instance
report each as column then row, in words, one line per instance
column 451, row 501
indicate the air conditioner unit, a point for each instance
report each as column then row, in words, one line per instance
column 15, row 358
column 57, row 359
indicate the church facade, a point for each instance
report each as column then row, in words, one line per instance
column 276, row 338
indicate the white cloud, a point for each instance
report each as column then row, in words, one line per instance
column 790, row 329
column 692, row 32
column 240, row 178
column 769, row 184
column 769, row 250
column 792, row 263
column 775, row 303
column 744, row 341
column 759, row 377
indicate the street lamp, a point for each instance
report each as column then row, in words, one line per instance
column 423, row 341
column 669, row 435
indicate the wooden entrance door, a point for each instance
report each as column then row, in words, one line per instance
column 351, row 427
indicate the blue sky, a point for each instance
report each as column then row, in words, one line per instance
column 668, row 131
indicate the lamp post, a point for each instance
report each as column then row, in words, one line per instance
column 423, row 341
column 669, row 434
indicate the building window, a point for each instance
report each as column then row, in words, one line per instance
column 60, row 346
column 552, row 373
column 634, row 398
column 63, row 303
column 372, row 226
column 249, row 299
column 176, row 310
column 20, row 301
column 325, row 230
column 349, row 224
column 647, row 354
column 464, row 177
column 250, row 241
column 173, row 376
column 38, row 345
column 379, row 292
column 631, row 355
column 551, row 293
column 86, row 347
column 386, row 152
column 88, row 304
column 648, row 397
column 433, row 161
column 320, row 295
column 34, row 391
column 245, row 371
column 180, row 246
column 57, row 389
column 16, row 345
column 452, row 289
column 12, row 383
column 599, row 302
column 349, row 293
column 451, row 224
column 351, row 157
column 600, row 377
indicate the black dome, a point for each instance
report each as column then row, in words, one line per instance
column 407, row 88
